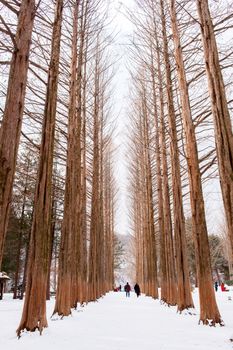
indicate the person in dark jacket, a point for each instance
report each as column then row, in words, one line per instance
column 127, row 289
column 137, row 289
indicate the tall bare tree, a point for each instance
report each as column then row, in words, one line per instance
column 67, row 277
column 220, row 111
column 95, row 228
column 34, row 311
column 208, row 305
column 14, row 108
column 184, row 297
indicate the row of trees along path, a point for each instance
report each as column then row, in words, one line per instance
column 58, row 107
column 165, row 112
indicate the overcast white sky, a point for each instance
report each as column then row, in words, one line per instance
column 124, row 28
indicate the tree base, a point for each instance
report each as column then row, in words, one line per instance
column 24, row 328
column 189, row 310
column 212, row 323
column 166, row 303
column 59, row 316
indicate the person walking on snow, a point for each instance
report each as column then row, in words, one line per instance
column 127, row 289
column 137, row 289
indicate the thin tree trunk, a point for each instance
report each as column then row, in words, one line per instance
column 25, row 267
column 112, row 219
column 20, row 238
column 95, row 205
column 101, row 244
column 52, row 235
column 152, row 275
column 84, row 189
column 169, row 251
column 163, row 265
column 109, row 220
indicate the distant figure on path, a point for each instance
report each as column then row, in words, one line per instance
column 223, row 288
column 127, row 289
column 216, row 286
column 137, row 289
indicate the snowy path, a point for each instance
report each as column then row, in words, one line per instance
column 117, row 323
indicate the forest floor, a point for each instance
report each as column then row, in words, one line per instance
column 119, row 323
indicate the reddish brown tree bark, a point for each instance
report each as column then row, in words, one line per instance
column 168, row 285
column 94, row 278
column 221, row 115
column 150, row 240
column 34, row 311
column 208, row 307
column 184, row 297
column 66, row 271
column 13, row 113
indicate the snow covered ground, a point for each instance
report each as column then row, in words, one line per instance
column 117, row 323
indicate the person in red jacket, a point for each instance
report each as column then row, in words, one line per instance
column 223, row 288
column 127, row 289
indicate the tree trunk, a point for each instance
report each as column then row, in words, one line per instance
column 95, row 204
column 167, row 262
column 25, row 267
column 109, row 219
column 52, row 235
column 84, row 190
column 67, row 278
column 101, row 244
column 209, row 313
column 160, row 195
column 79, row 253
column 220, row 111
column 184, row 297
column 34, row 311
column 163, row 266
column 20, row 238
column 152, row 256
column 13, row 113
